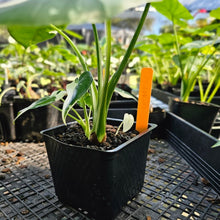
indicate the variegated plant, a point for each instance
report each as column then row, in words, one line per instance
column 33, row 21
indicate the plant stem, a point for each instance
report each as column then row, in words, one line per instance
column 100, row 122
column 79, row 55
column 80, row 121
column 85, row 68
column 212, row 82
column 98, row 55
column 177, row 48
column 23, row 57
column 201, row 91
column 193, row 77
column 115, row 77
column 213, row 92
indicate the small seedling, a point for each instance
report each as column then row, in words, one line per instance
column 127, row 123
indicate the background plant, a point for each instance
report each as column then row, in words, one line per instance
column 191, row 58
column 99, row 97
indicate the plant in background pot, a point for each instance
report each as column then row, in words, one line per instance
column 31, row 72
column 99, row 181
column 191, row 59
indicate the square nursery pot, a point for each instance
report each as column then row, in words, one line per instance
column 200, row 114
column 195, row 146
column 99, row 182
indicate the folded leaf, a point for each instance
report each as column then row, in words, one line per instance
column 75, row 91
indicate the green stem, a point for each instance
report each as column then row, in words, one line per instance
column 214, row 92
column 79, row 55
column 115, row 77
column 178, row 48
column 208, row 89
column 98, row 55
column 23, row 57
column 212, row 82
column 87, row 130
column 193, row 78
column 201, row 91
column 100, row 122
column 80, row 122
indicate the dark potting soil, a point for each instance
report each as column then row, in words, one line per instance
column 74, row 135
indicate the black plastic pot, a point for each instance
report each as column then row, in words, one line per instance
column 125, row 103
column 194, row 145
column 7, row 128
column 29, row 125
column 100, row 182
column 199, row 114
column 164, row 96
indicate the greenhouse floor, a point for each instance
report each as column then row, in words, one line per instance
column 172, row 189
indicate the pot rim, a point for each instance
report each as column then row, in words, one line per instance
column 151, row 126
column 192, row 102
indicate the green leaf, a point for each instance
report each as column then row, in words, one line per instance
column 125, row 94
column 55, row 96
column 210, row 27
column 27, row 36
column 67, row 54
column 74, row 34
column 173, row 10
column 58, row 12
column 215, row 13
column 75, row 91
column 166, row 38
column 217, row 144
column 198, row 44
column 85, row 99
column 128, row 122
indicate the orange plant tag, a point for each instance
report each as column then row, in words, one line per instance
column 143, row 109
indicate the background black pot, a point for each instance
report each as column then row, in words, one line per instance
column 199, row 114
column 100, row 182
column 164, row 96
column 7, row 128
column 29, row 125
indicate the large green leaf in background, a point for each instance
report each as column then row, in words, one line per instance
column 26, row 35
column 198, row 44
column 58, row 12
column 173, row 10
column 215, row 13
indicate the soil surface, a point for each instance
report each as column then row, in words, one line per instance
column 74, row 135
